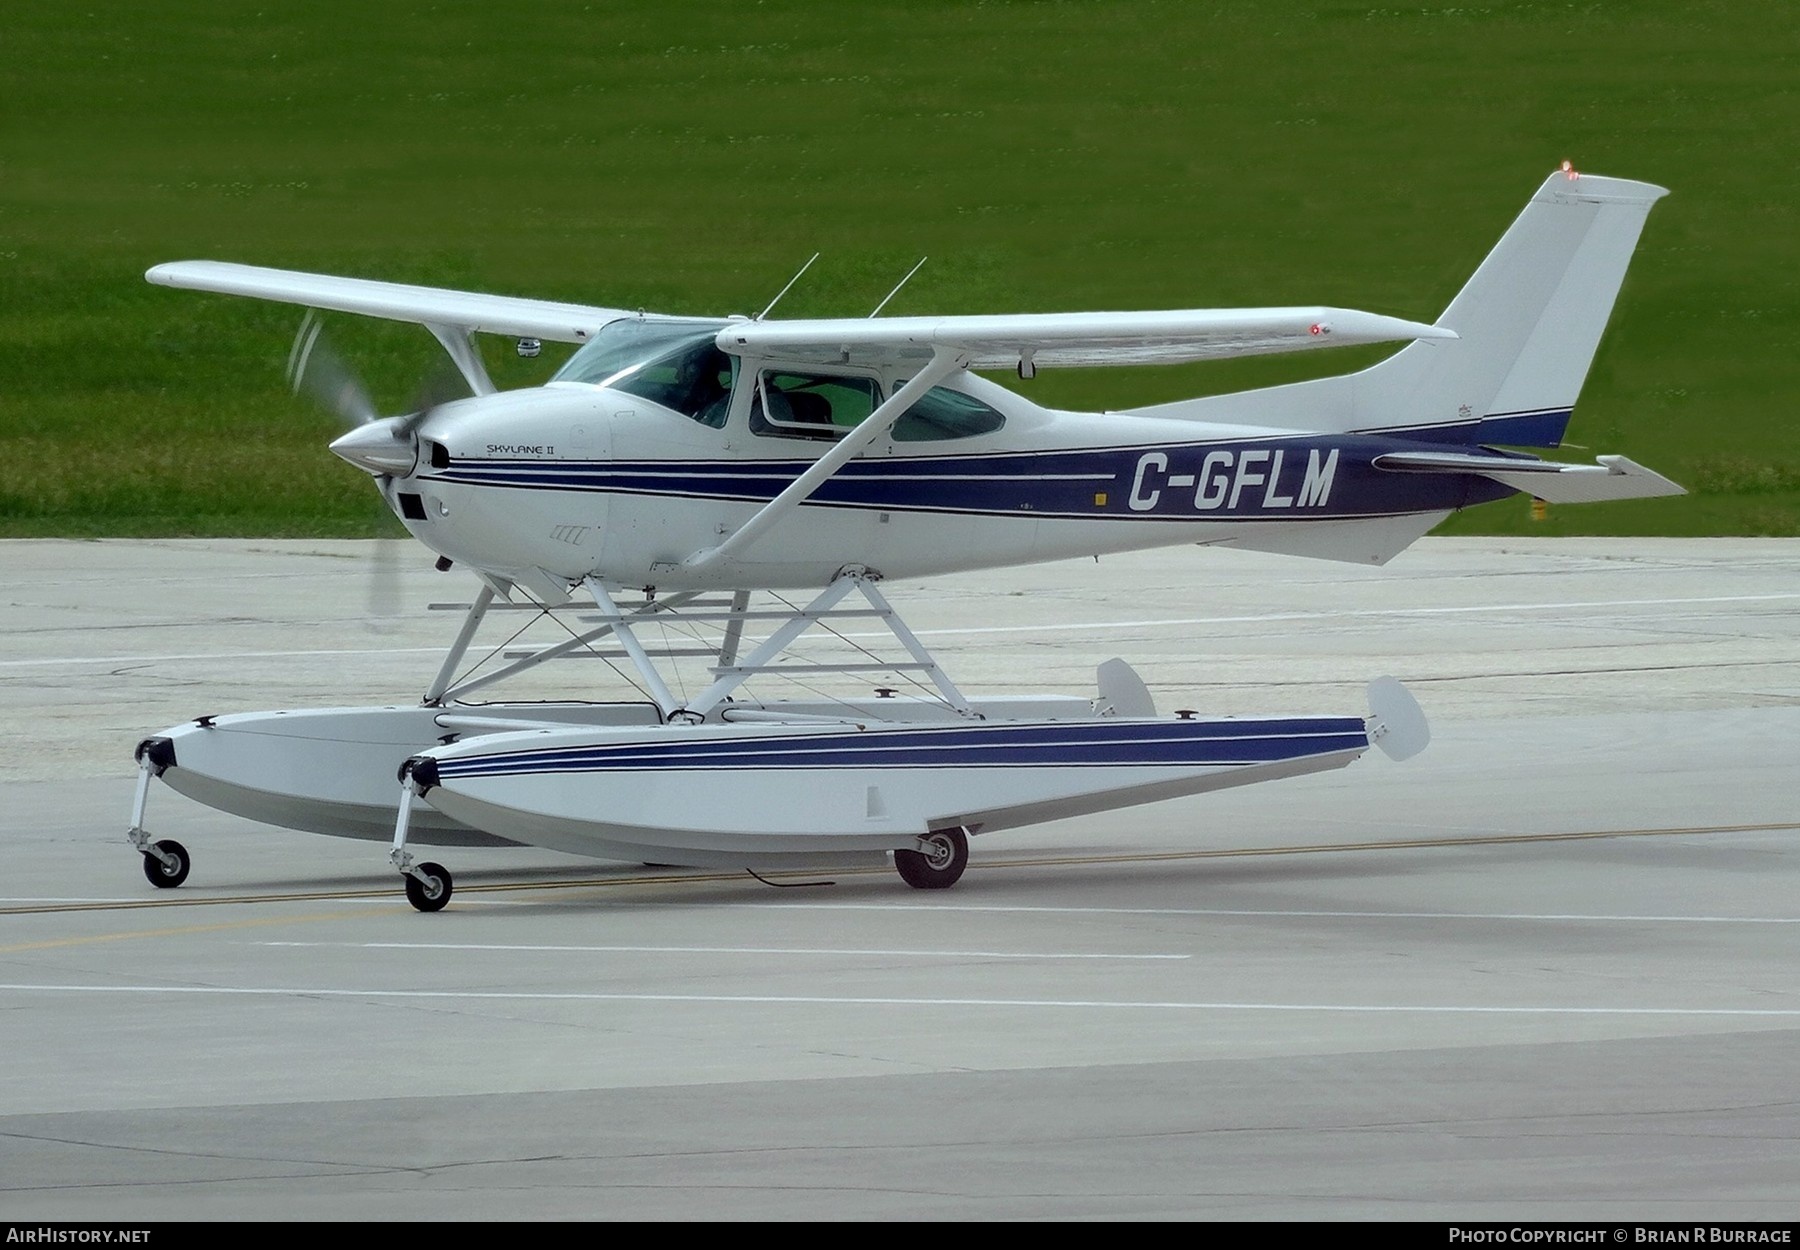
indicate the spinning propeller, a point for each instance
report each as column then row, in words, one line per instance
column 386, row 447
column 383, row 446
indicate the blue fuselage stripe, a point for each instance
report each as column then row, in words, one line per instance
column 1299, row 478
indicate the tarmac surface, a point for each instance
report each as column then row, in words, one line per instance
column 1548, row 970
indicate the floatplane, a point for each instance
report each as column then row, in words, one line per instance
column 676, row 468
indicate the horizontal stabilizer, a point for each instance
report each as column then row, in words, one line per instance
column 1612, row 477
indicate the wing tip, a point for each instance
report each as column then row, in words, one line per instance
column 1571, row 185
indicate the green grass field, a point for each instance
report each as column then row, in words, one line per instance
column 688, row 157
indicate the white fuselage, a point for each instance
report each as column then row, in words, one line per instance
column 574, row 480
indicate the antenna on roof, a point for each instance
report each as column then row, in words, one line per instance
column 908, row 278
column 784, row 290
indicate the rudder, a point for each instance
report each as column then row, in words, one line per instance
column 1528, row 323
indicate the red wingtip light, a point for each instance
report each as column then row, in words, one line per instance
column 1569, row 171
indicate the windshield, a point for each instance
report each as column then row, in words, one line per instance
column 695, row 379
column 627, row 342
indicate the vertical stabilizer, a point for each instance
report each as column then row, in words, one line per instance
column 1527, row 322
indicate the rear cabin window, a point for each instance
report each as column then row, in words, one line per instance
column 944, row 413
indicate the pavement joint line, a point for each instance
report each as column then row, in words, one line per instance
column 820, row 1000
column 834, row 951
column 1074, row 627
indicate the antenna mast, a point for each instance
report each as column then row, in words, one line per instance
column 784, row 290
column 908, row 278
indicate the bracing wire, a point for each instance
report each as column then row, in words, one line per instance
column 673, row 627
column 545, row 612
column 901, row 675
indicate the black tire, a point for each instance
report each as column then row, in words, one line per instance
column 160, row 874
column 427, row 898
column 939, row 868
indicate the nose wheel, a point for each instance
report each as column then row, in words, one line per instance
column 938, row 863
column 166, row 864
column 428, row 886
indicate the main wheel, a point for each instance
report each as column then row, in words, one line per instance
column 160, row 874
column 940, row 865
column 429, row 897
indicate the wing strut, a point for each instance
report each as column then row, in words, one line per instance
column 460, row 344
column 943, row 363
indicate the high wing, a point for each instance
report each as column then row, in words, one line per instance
column 984, row 342
column 428, row 306
column 1071, row 339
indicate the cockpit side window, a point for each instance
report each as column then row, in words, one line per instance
column 808, row 405
column 695, row 380
column 827, row 406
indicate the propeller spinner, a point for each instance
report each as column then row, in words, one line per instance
column 387, row 446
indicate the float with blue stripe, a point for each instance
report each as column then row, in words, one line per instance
column 777, row 795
